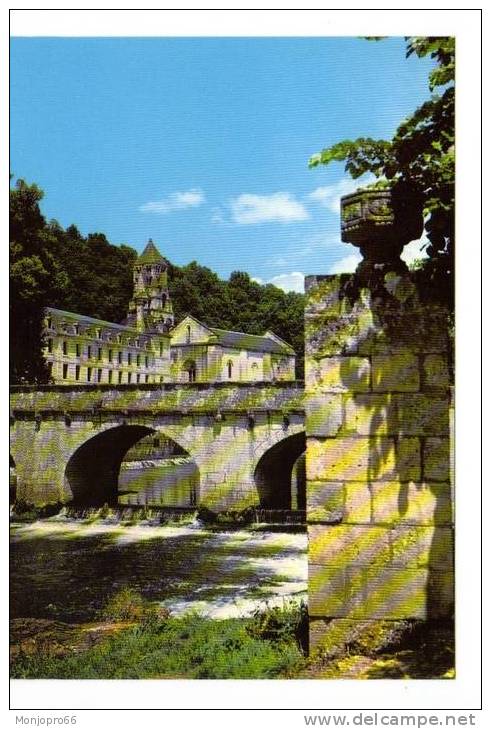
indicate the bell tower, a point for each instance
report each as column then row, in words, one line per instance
column 150, row 309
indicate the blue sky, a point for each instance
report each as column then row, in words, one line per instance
column 202, row 143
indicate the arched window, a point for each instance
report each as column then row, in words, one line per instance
column 229, row 369
column 190, row 368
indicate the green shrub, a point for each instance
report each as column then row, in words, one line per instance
column 282, row 624
column 126, row 604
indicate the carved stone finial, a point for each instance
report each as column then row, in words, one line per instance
column 380, row 222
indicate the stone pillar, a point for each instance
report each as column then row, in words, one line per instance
column 379, row 506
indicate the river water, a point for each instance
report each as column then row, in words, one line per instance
column 66, row 569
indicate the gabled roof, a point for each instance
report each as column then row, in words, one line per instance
column 190, row 317
column 150, row 255
column 254, row 342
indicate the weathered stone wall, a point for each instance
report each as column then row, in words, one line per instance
column 378, row 476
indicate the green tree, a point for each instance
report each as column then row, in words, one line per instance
column 36, row 280
column 419, row 160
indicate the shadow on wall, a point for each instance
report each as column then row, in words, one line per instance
column 400, row 404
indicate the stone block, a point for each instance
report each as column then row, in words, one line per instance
column 419, row 329
column 410, row 502
column 441, row 594
column 371, row 415
column 323, row 414
column 327, row 594
column 338, row 374
column 397, row 372
column 436, row 459
column 331, row 335
column 435, row 370
column 340, row 545
column 408, row 459
column 387, row 593
column 419, row 414
column 422, row 546
column 323, row 296
column 357, row 503
column 355, row 459
column 325, row 502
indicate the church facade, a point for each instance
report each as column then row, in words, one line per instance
column 148, row 348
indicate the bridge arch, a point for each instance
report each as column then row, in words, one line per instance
column 279, row 470
column 92, row 473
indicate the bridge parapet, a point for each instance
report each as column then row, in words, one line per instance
column 190, row 398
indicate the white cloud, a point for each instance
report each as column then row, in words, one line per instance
column 329, row 195
column 282, row 207
column 289, row 281
column 175, row 201
column 286, row 281
column 347, row 264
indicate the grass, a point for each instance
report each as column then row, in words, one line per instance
column 268, row 645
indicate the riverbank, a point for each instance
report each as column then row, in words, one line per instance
column 271, row 644
column 267, row 645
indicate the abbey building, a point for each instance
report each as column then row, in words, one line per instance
column 148, row 348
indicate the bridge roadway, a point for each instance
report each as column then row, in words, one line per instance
column 67, row 442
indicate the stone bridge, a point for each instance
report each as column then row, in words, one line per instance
column 68, row 442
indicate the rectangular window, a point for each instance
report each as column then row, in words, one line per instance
column 129, row 358
column 50, row 345
column 120, row 358
column 89, row 374
column 110, row 376
column 65, row 371
column 137, row 360
column 161, row 349
column 138, row 379
column 99, row 375
column 146, row 378
column 99, row 353
column 77, row 372
column 146, row 361
column 65, row 348
column 120, row 377
column 110, row 355
column 48, row 323
column 89, row 351
column 77, row 350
